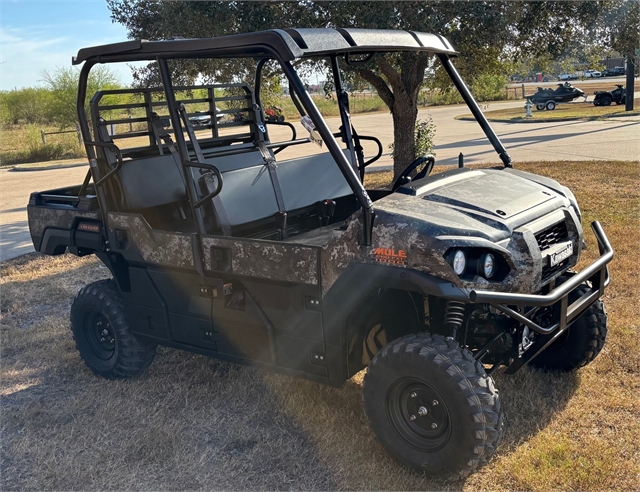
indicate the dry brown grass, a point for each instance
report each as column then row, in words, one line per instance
column 196, row 423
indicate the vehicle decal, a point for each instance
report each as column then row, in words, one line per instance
column 390, row 256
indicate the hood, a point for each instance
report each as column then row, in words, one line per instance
column 485, row 202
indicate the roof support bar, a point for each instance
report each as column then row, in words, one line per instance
column 174, row 114
column 343, row 105
column 347, row 170
column 475, row 109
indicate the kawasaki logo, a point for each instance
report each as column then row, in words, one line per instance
column 561, row 255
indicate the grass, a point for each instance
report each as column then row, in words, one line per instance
column 23, row 144
column 573, row 110
column 195, row 423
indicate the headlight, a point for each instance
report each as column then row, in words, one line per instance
column 488, row 262
column 459, row 262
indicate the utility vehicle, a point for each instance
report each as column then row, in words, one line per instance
column 231, row 243
column 605, row 98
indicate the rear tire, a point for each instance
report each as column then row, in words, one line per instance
column 432, row 406
column 102, row 334
column 540, row 106
column 605, row 101
column 582, row 341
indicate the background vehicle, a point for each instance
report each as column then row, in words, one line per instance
column 226, row 243
column 592, row 73
column 274, row 113
column 605, row 98
column 549, row 98
column 202, row 118
column 614, row 72
column 568, row 76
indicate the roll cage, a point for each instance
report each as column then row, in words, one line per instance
column 283, row 46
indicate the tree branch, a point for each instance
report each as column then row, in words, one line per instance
column 389, row 72
column 380, row 85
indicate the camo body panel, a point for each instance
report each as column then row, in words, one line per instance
column 160, row 247
column 40, row 218
column 278, row 261
column 415, row 234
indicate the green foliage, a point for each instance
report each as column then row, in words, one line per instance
column 425, row 133
column 63, row 84
column 488, row 87
column 30, row 105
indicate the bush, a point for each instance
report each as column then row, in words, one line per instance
column 30, row 105
column 425, row 132
column 489, row 88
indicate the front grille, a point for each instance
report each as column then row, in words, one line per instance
column 547, row 238
column 555, row 234
column 550, row 271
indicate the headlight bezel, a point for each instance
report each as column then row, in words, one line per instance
column 474, row 263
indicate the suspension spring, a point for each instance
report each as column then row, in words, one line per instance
column 454, row 316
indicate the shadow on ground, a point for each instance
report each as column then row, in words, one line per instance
column 190, row 422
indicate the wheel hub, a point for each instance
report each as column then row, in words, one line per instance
column 418, row 414
column 100, row 335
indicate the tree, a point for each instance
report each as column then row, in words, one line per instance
column 63, row 84
column 31, row 105
column 485, row 33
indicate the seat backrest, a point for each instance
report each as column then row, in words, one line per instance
column 152, row 181
column 307, row 180
column 248, row 194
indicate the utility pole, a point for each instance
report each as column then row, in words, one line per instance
column 630, row 84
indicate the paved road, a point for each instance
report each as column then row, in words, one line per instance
column 617, row 138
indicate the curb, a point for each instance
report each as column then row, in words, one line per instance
column 19, row 167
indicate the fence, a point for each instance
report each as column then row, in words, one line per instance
column 44, row 134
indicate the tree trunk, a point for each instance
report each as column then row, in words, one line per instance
column 404, row 124
column 400, row 93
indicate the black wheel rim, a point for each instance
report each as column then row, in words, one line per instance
column 418, row 414
column 100, row 335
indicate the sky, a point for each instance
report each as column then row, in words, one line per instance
column 37, row 36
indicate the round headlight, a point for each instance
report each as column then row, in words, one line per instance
column 489, row 265
column 459, row 262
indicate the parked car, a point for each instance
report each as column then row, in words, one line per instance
column 568, row 76
column 203, row 118
column 592, row 74
column 614, row 72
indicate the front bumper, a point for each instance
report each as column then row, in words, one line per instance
column 563, row 314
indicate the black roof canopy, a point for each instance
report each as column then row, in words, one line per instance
column 287, row 44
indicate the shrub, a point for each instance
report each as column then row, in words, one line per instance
column 425, row 133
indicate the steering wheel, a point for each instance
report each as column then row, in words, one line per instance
column 405, row 176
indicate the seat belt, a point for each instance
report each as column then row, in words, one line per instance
column 270, row 163
column 218, row 208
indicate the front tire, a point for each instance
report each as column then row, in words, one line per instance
column 432, row 406
column 551, row 105
column 102, row 334
column 582, row 341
